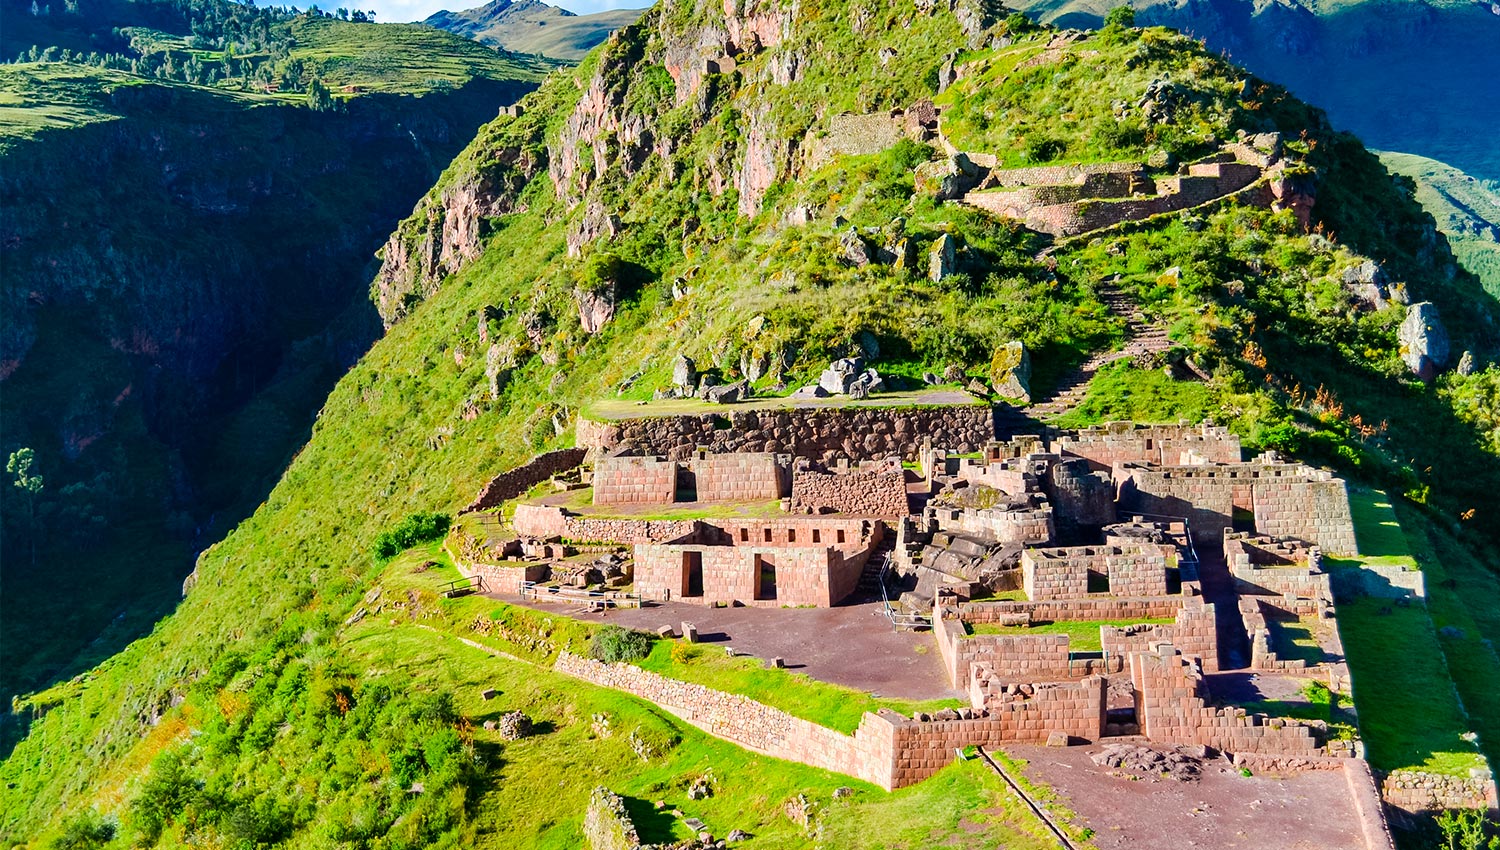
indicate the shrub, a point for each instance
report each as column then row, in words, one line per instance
column 84, row 832
column 1120, row 16
column 612, row 643
column 417, row 528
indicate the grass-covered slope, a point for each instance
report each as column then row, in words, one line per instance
column 487, row 359
column 183, row 282
column 1467, row 210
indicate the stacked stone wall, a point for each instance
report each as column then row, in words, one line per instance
column 506, row 579
column 1419, row 791
column 516, row 482
column 862, row 493
column 1003, row 525
column 1288, row 500
column 607, row 825
column 546, row 521
column 824, row 434
column 1063, row 573
column 635, row 481
column 1255, row 616
column 741, row 477
column 804, row 575
column 1062, row 610
column 1013, row 658
column 1084, row 501
column 1006, row 478
column 1159, row 445
column 1194, row 632
column 1171, row 709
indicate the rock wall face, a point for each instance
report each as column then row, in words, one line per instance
column 821, row 434
column 515, row 482
column 862, row 493
column 607, row 825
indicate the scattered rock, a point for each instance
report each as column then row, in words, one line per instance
column 737, row 835
column 1452, row 632
column 947, row 179
column 1170, row 277
column 488, row 694
column 954, row 374
column 810, row 391
column 842, row 792
column 1424, row 341
column 1058, row 739
column 1176, row 764
column 929, row 379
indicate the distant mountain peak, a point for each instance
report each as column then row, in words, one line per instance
column 531, row 26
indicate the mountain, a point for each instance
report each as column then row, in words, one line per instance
column 1467, row 210
column 1404, row 75
column 531, row 26
column 763, row 188
column 188, row 237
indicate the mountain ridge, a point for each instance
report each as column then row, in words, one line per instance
column 531, row 26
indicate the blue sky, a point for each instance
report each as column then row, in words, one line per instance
column 416, row 10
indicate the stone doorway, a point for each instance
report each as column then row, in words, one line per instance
column 765, row 578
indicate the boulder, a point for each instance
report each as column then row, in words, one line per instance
column 1010, row 371
column 684, row 371
column 728, row 393
column 856, row 250
column 810, row 391
column 942, row 260
column 595, row 307
column 869, row 346
column 1466, row 366
column 1424, row 341
column 840, row 375
column 947, row 179
column 1368, row 284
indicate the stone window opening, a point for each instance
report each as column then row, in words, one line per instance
column 744, row 535
column 791, row 535
column 841, row 535
column 817, row 537
column 768, row 535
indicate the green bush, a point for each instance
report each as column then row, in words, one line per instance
column 612, row 643
column 416, row 528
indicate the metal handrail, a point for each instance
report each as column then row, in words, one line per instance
column 607, row 597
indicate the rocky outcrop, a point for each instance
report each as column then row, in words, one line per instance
column 447, row 230
column 1424, row 341
column 596, row 306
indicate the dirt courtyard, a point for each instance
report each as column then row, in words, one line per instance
column 850, row 645
column 1223, row 809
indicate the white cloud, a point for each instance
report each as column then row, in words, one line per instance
column 416, row 10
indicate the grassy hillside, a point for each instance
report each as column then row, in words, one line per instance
column 1467, row 210
column 530, row 26
column 1403, row 76
column 479, row 363
column 176, row 312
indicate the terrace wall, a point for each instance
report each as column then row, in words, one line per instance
column 635, row 481
column 1099, row 608
column 823, row 434
column 741, row 477
column 1159, row 445
column 516, row 482
column 1063, row 573
column 1418, row 791
column 1194, row 633
column 546, row 521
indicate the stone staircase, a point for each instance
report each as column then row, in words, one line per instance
column 1141, row 338
column 869, row 580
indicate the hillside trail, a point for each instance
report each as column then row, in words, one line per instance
column 1141, row 338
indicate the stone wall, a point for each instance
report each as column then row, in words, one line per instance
column 1267, row 566
column 1256, row 614
column 1288, row 500
column 1096, row 608
column 1011, row 658
column 1003, row 525
column 803, row 575
column 1389, row 581
column 824, row 434
column 516, row 482
column 500, row 578
column 1171, row 709
column 1084, row 500
column 1418, row 791
column 1006, row 476
column 546, row 521
column 635, row 481
column 868, row 754
column 606, row 825
column 1194, row 633
column 741, row 477
column 1159, row 445
column 880, row 493
column 1063, row 573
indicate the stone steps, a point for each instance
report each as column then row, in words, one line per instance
column 1141, row 338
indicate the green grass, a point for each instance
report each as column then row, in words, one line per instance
column 401, row 58
column 627, row 409
column 1377, row 531
column 1294, row 639
column 1409, row 713
column 1083, row 635
column 827, row 705
column 1120, row 392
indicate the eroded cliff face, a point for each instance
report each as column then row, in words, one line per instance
column 700, row 47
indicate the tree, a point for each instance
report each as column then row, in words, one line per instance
column 319, row 99
column 1120, row 17
column 19, row 466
